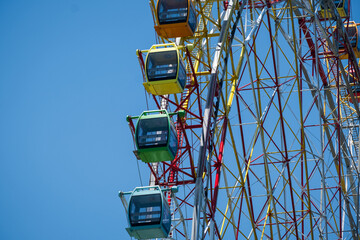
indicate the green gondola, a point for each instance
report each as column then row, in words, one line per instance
column 155, row 137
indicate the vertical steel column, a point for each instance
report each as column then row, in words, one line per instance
column 199, row 202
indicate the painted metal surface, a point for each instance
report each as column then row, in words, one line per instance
column 269, row 140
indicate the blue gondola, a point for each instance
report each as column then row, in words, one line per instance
column 148, row 213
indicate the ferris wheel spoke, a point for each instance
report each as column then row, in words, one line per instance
column 267, row 125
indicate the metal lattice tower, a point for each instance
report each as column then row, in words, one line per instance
column 269, row 145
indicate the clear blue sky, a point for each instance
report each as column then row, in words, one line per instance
column 68, row 78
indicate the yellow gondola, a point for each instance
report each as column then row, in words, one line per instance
column 341, row 6
column 175, row 18
column 164, row 69
column 353, row 34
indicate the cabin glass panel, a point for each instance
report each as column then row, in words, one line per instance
column 339, row 3
column 354, row 82
column 182, row 75
column 145, row 210
column 161, row 65
column 173, row 143
column 192, row 18
column 152, row 132
column 352, row 33
column 166, row 218
column 172, row 11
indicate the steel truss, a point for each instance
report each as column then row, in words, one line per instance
column 269, row 142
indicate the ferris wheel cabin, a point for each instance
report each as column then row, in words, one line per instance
column 148, row 214
column 175, row 18
column 156, row 137
column 165, row 70
column 342, row 7
column 355, row 85
column 353, row 34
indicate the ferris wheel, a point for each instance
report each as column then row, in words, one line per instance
column 252, row 130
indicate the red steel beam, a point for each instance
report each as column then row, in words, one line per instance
column 282, row 124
